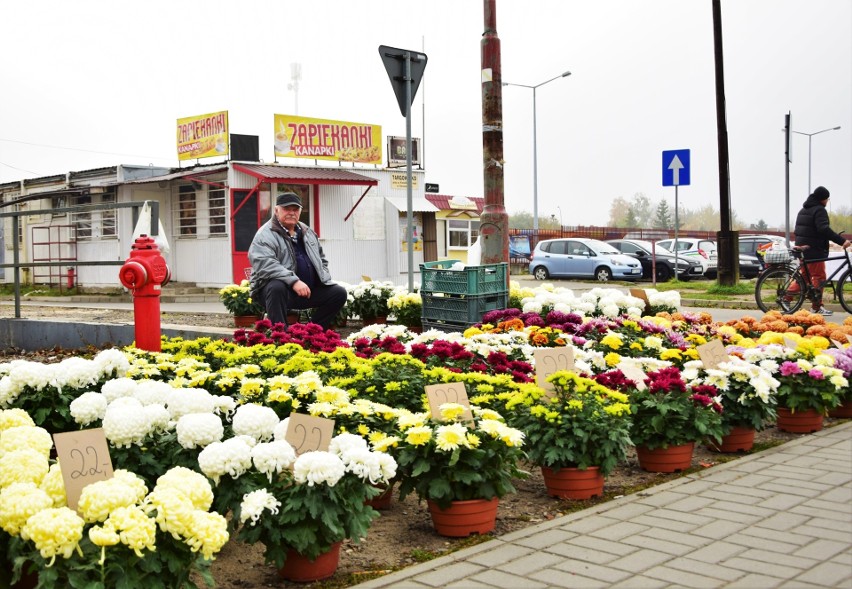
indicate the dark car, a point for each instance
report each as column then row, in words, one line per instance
column 665, row 260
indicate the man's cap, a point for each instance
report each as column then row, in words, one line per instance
column 821, row 193
column 288, row 199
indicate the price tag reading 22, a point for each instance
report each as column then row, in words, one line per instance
column 550, row 360
column 307, row 433
column 451, row 392
column 84, row 459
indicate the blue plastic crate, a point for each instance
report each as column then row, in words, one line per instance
column 464, row 309
column 436, row 277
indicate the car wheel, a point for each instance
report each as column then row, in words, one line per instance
column 664, row 273
column 603, row 274
column 540, row 273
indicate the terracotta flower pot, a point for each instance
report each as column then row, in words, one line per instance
column 383, row 319
column 842, row 412
column 741, row 439
column 463, row 518
column 302, row 570
column 671, row 459
column 245, row 320
column 573, row 483
column 383, row 501
column 799, row 422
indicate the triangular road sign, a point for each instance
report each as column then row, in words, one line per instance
column 394, row 60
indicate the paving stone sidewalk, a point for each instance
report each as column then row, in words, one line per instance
column 779, row 518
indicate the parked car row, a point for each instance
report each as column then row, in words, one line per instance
column 632, row 259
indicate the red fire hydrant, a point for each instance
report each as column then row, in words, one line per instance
column 145, row 272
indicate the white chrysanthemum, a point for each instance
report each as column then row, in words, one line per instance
column 197, row 430
column 273, row 458
column 387, row 466
column 224, row 405
column 112, row 362
column 158, row 418
column 231, row 457
column 254, row 504
column 21, row 437
column 185, row 401
column 89, row 407
column 317, row 468
column 363, row 463
column 279, row 432
column 125, row 424
column 152, row 392
column 100, row 498
column 256, row 421
column 118, row 387
column 342, row 443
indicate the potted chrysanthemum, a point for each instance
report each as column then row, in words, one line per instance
column 669, row 417
column 747, row 392
column 370, row 301
column 459, row 467
column 576, row 434
column 407, row 308
column 239, row 302
column 809, row 389
column 302, row 507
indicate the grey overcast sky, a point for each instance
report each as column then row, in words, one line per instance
column 94, row 83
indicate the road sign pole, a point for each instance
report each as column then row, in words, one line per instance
column 676, row 228
column 410, row 201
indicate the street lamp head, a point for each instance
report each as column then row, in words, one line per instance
column 566, row 74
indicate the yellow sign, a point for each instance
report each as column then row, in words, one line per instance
column 202, row 136
column 323, row 139
column 400, row 180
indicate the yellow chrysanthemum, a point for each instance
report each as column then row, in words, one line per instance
column 450, row 437
column 418, row 435
column 612, row 359
column 55, row 532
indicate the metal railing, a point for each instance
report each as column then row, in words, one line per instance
column 16, row 264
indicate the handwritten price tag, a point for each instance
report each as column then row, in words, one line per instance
column 634, row 374
column 712, row 353
column 550, row 360
column 790, row 343
column 84, row 459
column 307, row 433
column 836, row 343
column 849, row 338
column 366, row 278
column 640, row 293
column 451, row 392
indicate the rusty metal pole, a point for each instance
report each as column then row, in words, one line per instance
column 494, row 221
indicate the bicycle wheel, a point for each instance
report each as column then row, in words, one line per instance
column 844, row 291
column 772, row 290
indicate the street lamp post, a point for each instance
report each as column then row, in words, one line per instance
column 535, row 145
column 810, row 138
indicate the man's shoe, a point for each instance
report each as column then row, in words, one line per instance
column 823, row 311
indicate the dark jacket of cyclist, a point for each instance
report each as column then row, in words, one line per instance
column 812, row 227
column 813, row 230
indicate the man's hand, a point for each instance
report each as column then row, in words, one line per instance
column 302, row 289
column 847, row 244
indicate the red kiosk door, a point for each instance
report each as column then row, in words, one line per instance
column 250, row 210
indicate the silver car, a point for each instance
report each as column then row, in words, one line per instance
column 577, row 257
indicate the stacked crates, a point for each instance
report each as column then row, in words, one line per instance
column 453, row 300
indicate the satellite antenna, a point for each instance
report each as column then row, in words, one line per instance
column 295, row 77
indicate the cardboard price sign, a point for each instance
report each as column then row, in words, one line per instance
column 790, row 343
column 550, row 360
column 307, row 433
column 451, row 392
column 712, row 353
column 836, row 343
column 640, row 293
column 634, row 374
column 84, row 459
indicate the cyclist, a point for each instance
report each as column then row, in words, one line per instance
column 813, row 230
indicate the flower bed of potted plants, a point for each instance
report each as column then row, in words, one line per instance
column 577, row 434
column 458, row 466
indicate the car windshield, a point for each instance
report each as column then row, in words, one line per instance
column 601, row 247
column 658, row 249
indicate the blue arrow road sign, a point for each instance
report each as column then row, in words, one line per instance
column 676, row 167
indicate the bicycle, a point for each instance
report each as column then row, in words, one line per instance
column 774, row 289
